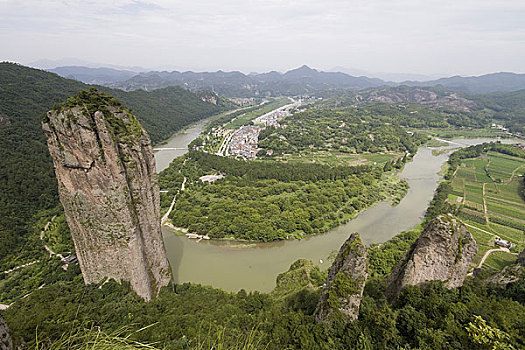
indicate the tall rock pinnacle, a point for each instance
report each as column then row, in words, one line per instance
column 342, row 294
column 108, row 186
column 443, row 252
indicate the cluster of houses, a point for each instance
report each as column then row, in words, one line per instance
column 272, row 118
column 244, row 142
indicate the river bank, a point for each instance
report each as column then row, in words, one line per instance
column 177, row 144
column 223, row 265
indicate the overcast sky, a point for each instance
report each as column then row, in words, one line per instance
column 468, row 37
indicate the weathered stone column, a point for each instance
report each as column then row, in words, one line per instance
column 108, row 186
column 342, row 294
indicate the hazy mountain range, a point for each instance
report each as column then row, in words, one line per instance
column 303, row 80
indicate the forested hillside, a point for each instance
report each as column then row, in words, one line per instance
column 266, row 201
column 350, row 130
column 27, row 180
column 189, row 316
column 507, row 108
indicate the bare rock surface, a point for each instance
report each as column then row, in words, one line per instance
column 4, row 121
column 346, row 280
column 109, row 190
column 443, row 252
column 6, row 342
column 405, row 94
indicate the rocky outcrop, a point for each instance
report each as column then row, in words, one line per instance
column 108, row 186
column 302, row 274
column 511, row 273
column 426, row 97
column 443, row 252
column 4, row 121
column 342, row 294
column 6, row 343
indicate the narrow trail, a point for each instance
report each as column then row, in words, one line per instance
column 49, row 250
column 514, row 174
column 45, row 247
column 485, row 209
column 479, row 229
column 506, row 201
column 166, row 216
column 490, row 251
column 20, row 267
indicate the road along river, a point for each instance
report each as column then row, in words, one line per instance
column 224, row 265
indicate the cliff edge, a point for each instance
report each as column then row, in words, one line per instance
column 108, row 186
column 346, row 280
column 443, row 252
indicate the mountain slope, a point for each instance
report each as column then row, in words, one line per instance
column 27, row 181
column 93, row 75
column 484, row 84
column 303, row 80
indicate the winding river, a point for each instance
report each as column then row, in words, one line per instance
column 223, row 265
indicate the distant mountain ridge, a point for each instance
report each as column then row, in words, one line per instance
column 302, row 80
column 483, row 84
column 94, row 75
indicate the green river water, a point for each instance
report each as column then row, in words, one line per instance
column 222, row 265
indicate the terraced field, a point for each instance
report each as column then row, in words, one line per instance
column 488, row 190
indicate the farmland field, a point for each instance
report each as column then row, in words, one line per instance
column 487, row 188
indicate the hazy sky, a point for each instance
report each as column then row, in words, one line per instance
column 468, row 37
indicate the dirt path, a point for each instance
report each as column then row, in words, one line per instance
column 485, row 210
column 49, row 250
column 480, row 229
column 490, row 251
column 20, row 267
column 164, row 219
column 45, row 247
column 513, row 174
column 506, row 201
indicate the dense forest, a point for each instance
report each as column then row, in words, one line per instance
column 344, row 130
column 27, row 181
column 265, row 201
column 507, row 108
column 188, row 316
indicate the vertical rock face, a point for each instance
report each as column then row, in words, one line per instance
column 346, row 280
column 109, row 189
column 5, row 338
column 443, row 252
